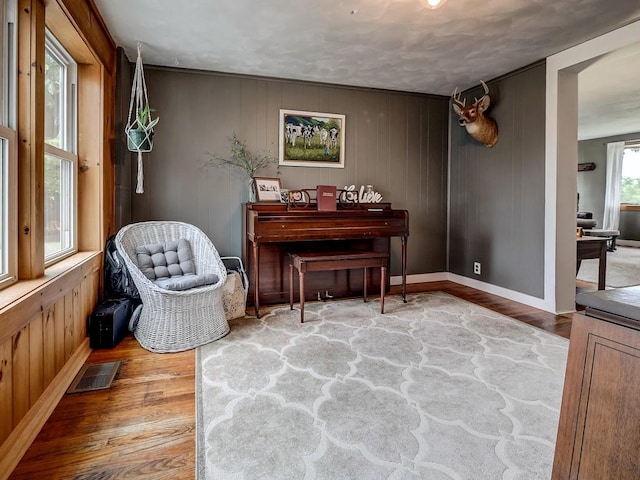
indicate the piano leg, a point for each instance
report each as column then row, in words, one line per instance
column 364, row 284
column 290, row 283
column 383, row 277
column 256, row 277
column 301, row 279
column 404, row 269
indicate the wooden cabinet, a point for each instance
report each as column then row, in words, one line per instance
column 599, row 430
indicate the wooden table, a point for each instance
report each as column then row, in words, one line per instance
column 593, row 247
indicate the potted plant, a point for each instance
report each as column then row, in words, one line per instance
column 244, row 160
column 140, row 136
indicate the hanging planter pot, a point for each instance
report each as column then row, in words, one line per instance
column 137, row 141
column 140, row 138
column 139, row 129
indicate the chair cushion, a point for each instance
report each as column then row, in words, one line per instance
column 185, row 282
column 165, row 260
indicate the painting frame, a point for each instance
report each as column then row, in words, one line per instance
column 302, row 142
column 267, row 189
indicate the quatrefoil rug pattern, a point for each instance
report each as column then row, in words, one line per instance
column 437, row 388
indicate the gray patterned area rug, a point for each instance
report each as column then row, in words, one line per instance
column 623, row 268
column 437, row 388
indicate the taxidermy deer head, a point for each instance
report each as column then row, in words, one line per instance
column 481, row 128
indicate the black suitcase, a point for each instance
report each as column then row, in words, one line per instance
column 108, row 323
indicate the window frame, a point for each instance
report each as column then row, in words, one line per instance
column 68, row 149
column 630, row 145
column 8, row 134
column 9, row 212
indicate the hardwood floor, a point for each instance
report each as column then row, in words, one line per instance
column 144, row 426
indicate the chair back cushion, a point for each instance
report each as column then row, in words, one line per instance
column 165, row 260
column 170, row 265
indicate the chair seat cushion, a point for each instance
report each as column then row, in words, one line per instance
column 185, row 282
column 166, row 260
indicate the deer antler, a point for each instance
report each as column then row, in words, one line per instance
column 456, row 98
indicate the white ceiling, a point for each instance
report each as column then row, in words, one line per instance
column 389, row 44
column 609, row 95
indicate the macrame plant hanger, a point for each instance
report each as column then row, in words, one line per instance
column 139, row 129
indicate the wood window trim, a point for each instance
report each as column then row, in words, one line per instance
column 80, row 29
column 625, row 207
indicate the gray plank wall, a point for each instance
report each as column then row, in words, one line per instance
column 123, row 187
column 395, row 141
column 497, row 194
column 592, row 185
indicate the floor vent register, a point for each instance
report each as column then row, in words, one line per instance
column 96, row 376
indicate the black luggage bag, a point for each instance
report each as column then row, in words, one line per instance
column 108, row 323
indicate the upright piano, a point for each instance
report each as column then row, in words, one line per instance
column 274, row 230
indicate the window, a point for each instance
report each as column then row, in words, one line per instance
column 8, row 159
column 60, row 162
column 630, row 192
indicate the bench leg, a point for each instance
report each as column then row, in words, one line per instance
column 365, row 284
column 301, row 279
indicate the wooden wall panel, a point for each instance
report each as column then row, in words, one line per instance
column 49, row 345
column 36, row 359
column 58, row 319
column 388, row 135
column 76, row 316
column 69, row 324
column 6, row 390
column 20, row 374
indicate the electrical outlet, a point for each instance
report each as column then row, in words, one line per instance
column 476, row 268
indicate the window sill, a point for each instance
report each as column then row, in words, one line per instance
column 629, row 208
column 22, row 288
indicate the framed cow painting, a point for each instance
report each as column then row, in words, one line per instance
column 311, row 139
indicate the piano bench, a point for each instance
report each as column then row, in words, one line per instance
column 323, row 261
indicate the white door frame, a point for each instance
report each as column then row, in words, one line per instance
column 561, row 159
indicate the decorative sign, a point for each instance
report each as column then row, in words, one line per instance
column 586, row 167
column 366, row 194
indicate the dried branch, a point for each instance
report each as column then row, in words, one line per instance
column 242, row 159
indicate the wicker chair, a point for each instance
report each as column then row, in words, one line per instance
column 173, row 321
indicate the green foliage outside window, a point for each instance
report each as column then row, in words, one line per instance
column 630, row 191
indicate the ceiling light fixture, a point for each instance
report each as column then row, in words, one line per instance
column 433, row 4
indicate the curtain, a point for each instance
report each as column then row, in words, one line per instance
column 615, row 152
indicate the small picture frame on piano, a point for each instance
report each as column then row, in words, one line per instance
column 267, row 189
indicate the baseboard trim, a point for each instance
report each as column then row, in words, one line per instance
column 525, row 299
column 628, row 243
column 534, row 302
column 21, row 438
column 421, row 278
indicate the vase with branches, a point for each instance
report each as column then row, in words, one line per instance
column 244, row 160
